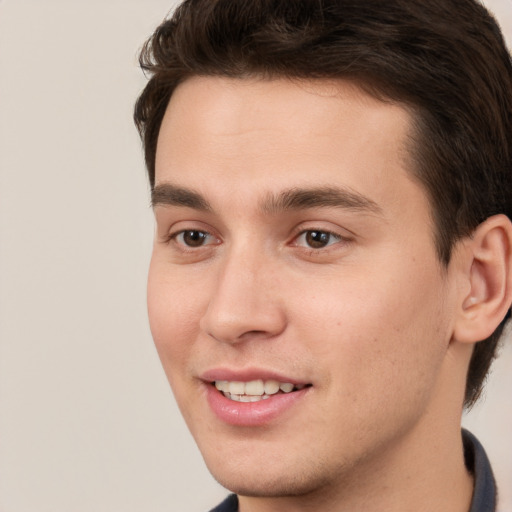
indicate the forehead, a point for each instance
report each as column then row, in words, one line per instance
column 217, row 107
column 256, row 136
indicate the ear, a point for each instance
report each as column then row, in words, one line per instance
column 488, row 265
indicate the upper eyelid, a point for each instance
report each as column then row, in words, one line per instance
column 338, row 237
column 180, row 231
column 342, row 233
column 173, row 229
column 320, row 230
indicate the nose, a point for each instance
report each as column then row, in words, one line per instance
column 245, row 300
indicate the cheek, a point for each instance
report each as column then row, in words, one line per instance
column 173, row 311
column 376, row 332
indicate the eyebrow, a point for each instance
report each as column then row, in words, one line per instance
column 171, row 195
column 168, row 194
column 321, row 197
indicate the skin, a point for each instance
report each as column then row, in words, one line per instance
column 368, row 319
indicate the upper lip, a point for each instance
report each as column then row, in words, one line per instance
column 247, row 375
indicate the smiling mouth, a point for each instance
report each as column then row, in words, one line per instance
column 255, row 390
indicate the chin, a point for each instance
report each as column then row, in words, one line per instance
column 270, row 488
column 259, row 480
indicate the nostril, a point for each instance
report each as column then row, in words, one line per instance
column 254, row 334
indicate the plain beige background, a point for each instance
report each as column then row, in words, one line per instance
column 87, row 421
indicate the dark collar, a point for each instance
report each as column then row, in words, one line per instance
column 230, row 504
column 484, row 495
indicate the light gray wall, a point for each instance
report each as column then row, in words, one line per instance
column 87, row 422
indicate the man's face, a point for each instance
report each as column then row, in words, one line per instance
column 293, row 246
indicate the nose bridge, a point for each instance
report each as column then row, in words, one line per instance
column 244, row 303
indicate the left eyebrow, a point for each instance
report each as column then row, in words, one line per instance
column 171, row 195
column 323, row 197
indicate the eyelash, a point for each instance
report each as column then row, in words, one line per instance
column 330, row 234
column 174, row 236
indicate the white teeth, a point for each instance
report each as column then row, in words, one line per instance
column 246, row 398
column 222, row 385
column 286, row 387
column 236, row 388
column 254, row 390
column 271, row 387
column 254, row 387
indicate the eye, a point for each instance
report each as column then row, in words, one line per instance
column 316, row 239
column 193, row 238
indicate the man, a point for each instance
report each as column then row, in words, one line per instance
column 332, row 266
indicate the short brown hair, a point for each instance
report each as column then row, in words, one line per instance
column 444, row 59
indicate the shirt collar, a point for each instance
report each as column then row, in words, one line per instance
column 484, row 493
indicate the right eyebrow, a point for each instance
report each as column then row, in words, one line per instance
column 171, row 195
column 321, row 197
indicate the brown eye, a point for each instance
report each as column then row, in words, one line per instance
column 193, row 238
column 318, row 239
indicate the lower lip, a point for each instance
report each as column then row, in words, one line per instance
column 251, row 414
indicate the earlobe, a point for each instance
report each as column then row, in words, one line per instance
column 489, row 273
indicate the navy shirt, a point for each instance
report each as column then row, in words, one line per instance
column 484, row 494
column 230, row 504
